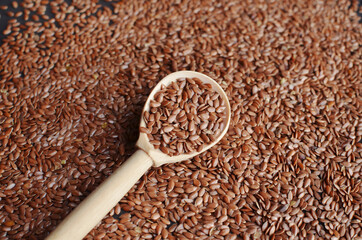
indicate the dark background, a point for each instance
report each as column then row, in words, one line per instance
column 4, row 18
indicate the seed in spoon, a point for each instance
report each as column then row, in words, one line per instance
column 184, row 117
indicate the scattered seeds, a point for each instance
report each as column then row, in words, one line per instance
column 73, row 85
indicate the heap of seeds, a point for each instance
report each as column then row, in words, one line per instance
column 184, row 117
column 73, row 84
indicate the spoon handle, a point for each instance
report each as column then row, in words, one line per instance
column 92, row 209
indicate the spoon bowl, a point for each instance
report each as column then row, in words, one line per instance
column 92, row 209
column 143, row 142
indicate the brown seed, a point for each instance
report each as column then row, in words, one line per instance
column 168, row 129
column 15, row 4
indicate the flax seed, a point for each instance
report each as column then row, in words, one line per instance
column 183, row 135
column 73, row 85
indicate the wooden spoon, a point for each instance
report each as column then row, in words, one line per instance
column 92, row 209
